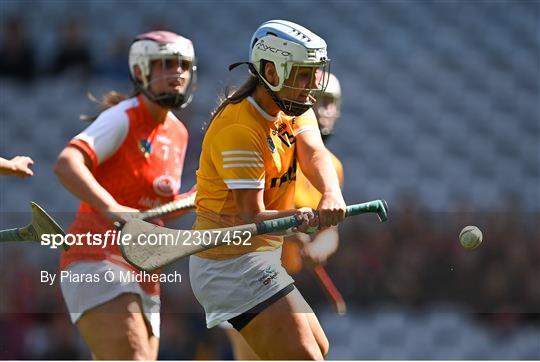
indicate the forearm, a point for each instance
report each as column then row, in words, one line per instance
column 328, row 239
column 317, row 165
column 77, row 179
column 6, row 167
column 273, row 214
column 298, row 238
column 324, row 244
column 251, row 208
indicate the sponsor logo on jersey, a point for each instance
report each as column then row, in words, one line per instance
column 165, row 185
column 163, row 139
column 287, row 138
column 287, row 177
column 280, row 128
column 145, row 147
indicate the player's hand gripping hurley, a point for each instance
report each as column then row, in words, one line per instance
column 150, row 257
column 184, row 203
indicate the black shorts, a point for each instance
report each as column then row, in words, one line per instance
column 243, row 319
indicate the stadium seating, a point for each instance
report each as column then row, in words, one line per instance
column 440, row 99
column 395, row 333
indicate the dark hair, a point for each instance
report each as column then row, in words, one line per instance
column 108, row 100
column 244, row 91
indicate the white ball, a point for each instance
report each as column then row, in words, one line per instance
column 470, row 237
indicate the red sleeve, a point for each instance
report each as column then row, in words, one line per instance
column 86, row 149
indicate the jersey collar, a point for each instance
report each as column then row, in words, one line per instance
column 262, row 111
column 146, row 113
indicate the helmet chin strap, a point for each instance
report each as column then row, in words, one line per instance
column 294, row 109
column 166, row 100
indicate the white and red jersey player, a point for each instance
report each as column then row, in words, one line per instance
column 138, row 161
column 129, row 159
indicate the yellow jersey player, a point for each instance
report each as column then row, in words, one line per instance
column 247, row 173
column 319, row 246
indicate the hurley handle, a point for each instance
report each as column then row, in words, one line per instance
column 376, row 206
column 180, row 204
column 10, row 235
column 184, row 203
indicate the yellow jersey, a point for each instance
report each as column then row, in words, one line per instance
column 246, row 148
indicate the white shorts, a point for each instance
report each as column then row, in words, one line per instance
column 228, row 288
column 83, row 296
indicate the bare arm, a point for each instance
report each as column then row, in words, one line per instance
column 17, row 166
column 317, row 247
column 73, row 170
column 317, row 165
column 250, row 203
column 325, row 243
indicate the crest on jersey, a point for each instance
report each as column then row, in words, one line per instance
column 145, row 147
column 271, row 145
column 166, row 185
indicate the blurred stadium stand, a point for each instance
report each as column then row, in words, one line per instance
column 440, row 117
column 442, row 97
column 433, row 335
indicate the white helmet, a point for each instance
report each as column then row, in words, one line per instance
column 162, row 45
column 333, row 89
column 328, row 107
column 288, row 45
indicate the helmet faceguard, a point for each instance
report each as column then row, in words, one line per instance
column 165, row 47
column 301, row 63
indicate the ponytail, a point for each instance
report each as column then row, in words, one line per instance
column 107, row 101
column 244, row 91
